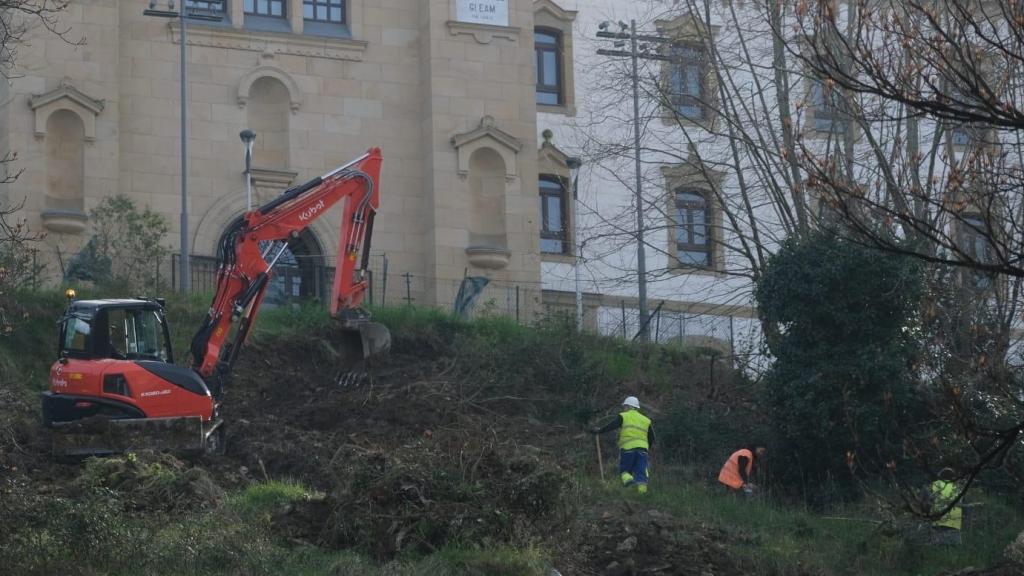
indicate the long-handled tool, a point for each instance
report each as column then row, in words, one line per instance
column 600, row 463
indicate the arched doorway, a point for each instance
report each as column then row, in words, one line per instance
column 299, row 274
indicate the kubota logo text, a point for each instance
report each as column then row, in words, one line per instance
column 312, row 211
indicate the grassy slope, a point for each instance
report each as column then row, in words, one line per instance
column 234, row 537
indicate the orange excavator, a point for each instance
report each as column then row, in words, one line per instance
column 115, row 387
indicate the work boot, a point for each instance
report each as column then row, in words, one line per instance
column 641, row 488
column 627, row 478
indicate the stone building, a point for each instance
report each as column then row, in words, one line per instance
column 445, row 87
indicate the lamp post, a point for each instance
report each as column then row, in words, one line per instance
column 183, row 15
column 574, row 165
column 248, row 137
column 627, row 32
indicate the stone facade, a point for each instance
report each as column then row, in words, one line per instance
column 451, row 104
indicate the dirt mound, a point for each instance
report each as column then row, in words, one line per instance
column 152, row 481
column 420, row 497
column 632, row 540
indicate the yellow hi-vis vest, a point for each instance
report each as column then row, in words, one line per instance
column 943, row 493
column 633, row 433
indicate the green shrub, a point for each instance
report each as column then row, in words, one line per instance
column 840, row 323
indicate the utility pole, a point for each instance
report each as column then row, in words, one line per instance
column 574, row 167
column 637, row 52
column 183, row 15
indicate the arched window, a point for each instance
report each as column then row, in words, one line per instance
column 548, row 48
column 693, row 232
column 300, row 273
column 553, row 221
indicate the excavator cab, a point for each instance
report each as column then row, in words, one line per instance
column 114, row 385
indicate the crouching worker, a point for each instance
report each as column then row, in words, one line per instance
column 635, row 440
column 738, row 471
column 946, row 530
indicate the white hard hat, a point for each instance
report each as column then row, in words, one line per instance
column 631, row 401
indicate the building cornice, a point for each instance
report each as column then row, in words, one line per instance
column 272, row 42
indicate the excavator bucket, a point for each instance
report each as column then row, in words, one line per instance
column 375, row 339
column 360, row 342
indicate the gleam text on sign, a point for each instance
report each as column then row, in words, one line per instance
column 494, row 12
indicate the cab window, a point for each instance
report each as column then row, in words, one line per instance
column 76, row 336
column 136, row 335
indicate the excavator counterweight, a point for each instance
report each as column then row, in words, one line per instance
column 115, row 385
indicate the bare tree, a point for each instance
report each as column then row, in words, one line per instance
column 19, row 18
column 937, row 92
column 892, row 123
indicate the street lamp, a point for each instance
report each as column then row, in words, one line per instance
column 627, row 32
column 248, row 137
column 183, row 16
column 574, row 167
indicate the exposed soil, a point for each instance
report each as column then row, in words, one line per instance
column 416, row 455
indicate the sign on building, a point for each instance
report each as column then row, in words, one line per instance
column 494, row 12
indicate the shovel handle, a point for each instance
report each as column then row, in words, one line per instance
column 600, row 462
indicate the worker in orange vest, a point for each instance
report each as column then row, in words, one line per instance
column 636, row 437
column 738, row 472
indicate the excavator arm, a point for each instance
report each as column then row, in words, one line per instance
column 251, row 249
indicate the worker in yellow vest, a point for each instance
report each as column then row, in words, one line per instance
column 738, row 471
column 635, row 440
column 946, row 530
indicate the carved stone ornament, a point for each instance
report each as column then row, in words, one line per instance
column 273, row 71
column 488, row 135
column 66, row 97
column 483, row 33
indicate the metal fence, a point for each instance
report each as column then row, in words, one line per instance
column 305, row 278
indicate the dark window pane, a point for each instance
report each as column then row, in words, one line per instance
column 274, row 8
column 554, row 221
column 552, row 246
column 694, row 258
column 545, row 38
column 550, row 69
column 549, row 88
column 547, row 98
column 325, row 10
column 552, row 215
column 693, row 241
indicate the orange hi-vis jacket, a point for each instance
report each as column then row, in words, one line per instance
column 730, row 474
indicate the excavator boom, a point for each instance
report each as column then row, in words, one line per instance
column 253, row 247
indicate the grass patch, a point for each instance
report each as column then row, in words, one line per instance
column 847, row 540
column 269, row 496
